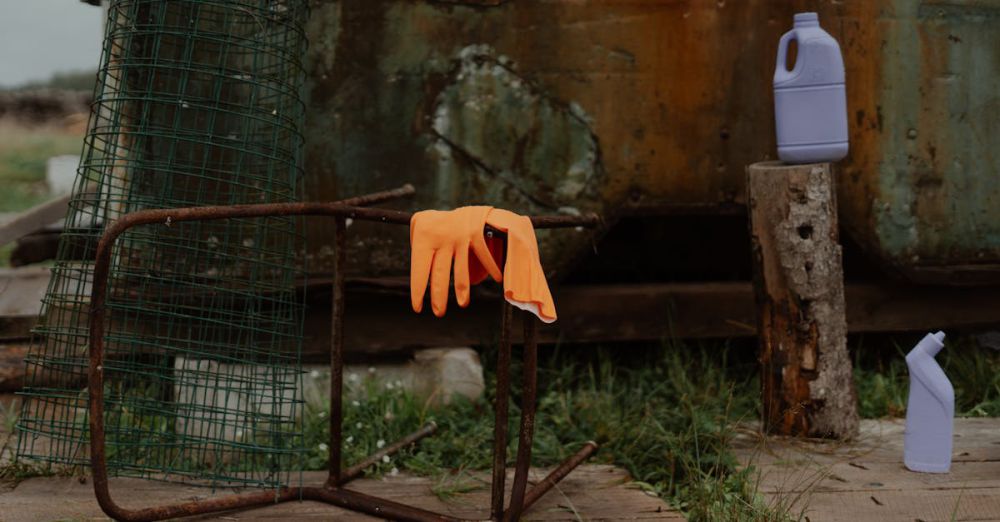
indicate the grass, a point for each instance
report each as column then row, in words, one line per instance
column 12, row 472
column 882, row 379
column 72, row 81
column 23, row 153
column 667, row 415
column 8, row 420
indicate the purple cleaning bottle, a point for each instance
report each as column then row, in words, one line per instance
column 810, row 100
column 930, row 411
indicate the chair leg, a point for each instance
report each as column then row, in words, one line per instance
column 553, row 478
column 358, row 469
column 501, row 415
column 337, row 352
column 332, row 492
column 528, row 405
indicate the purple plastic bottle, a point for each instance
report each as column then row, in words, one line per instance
column 930, row 411
column 810, row 100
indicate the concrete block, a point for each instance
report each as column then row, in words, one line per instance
column 437, row 374
column 219, row 404
column 239, row 402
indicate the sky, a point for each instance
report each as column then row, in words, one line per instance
column 42, row 37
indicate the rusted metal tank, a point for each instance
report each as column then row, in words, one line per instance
column 654, row 106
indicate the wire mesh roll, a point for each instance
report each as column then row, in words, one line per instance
column 197, row 103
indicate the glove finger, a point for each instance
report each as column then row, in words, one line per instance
column 440, row 280
column 462, row 283
column 420, row 270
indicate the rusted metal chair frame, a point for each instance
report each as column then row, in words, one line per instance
column 333, row 492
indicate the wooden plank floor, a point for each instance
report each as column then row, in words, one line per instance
column 866, row 480
column 592, row 492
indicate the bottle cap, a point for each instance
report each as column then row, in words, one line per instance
column 806, row 20
column 934, row 343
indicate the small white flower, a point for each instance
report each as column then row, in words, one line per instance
column 355, row 404
column 314, row 374
column 389, row 386
column 394, row 471
column 350, row 439
column 353, row 377
column 385, row 458
column 371, row 369
column 322, row 414
column 322, row 446
column 380, row 444
column 399, row 383
column 359, row 425
column 388, row 415
column 348, row 222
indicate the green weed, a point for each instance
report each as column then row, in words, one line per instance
column 23, row 153
column 666, row 415
column 882, row 379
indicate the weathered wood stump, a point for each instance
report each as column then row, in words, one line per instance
column 806, row 375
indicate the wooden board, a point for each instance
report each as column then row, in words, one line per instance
column 591, row 492
column 22, row 290
column 640, row 312
column 904, row 506
column 33, row 219
column 866, row 479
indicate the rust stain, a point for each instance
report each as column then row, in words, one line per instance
column 495, row 129
column 470, row 3
column 678, row 95
column 861, row 31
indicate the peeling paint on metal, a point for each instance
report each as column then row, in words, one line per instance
column 673, row 98
column 937, row 208
column 494, row 129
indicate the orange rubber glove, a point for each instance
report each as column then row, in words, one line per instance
column 524, row 284
column 440, row 240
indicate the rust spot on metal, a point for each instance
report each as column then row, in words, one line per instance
column 470, row 3
column 497, row 130
column 663, row 83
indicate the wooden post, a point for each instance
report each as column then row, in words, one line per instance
column 806, row 377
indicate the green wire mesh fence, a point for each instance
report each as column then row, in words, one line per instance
column 198, row 103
